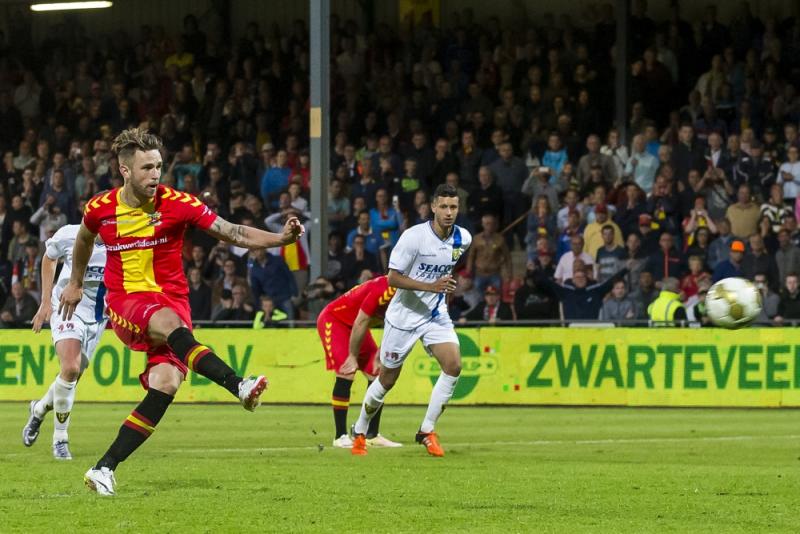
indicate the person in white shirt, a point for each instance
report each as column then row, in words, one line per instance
column 567, row 261
column 789, row 176
column 75, row 339
column 421, row 267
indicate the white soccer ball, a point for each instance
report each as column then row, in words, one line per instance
column 733, row 303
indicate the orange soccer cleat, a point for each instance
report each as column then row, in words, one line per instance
column 359, row 445
column 431, row 442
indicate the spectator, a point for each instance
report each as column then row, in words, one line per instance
column 687, row 154
column 489, row 259
column 564, row 269
column 532, row 302
column 275, row 179
column 719, row 249
column 690, row 284
column 593, row 234
column 270, row 276
column 469, row 159
column 16, row 248
column 487, row 198
column 555, row 157
column 696, row 305
column 610, row 257
column 268, row 316
column 594, row 157
column 617, row 152
column 760, row 261
column 641, row 166
column 744, row 214
column 667, row 308
column 789, row 175
column 619, row 307
column 541, row 223
column 644, row 294
column 775, row 208
column 384, row 218
column 465, row 297
column 227, row 280
column 338, row 205
column 538, row 185
column 789, row 305
column 581, row 301
column 234, row 305
column 358, row 260
column 732, row 267
column 199, row 295
column 18, row 309
column 788, row 255
column 492, row 309
column 769, row 300
column 666, row 261
column 373, row 242
column 48, row 218
column 316, row 295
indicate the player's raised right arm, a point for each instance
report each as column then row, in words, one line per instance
column 45, row 308
column 81, row 253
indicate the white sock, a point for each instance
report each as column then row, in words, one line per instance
column 63, row 398
column 373, row 400
column 441, row 393
column 45, row 404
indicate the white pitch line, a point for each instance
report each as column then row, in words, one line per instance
column 533, row 443
column 614, row 441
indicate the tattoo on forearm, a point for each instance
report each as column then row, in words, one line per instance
column 234, row 233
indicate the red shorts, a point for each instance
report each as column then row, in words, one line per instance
column 130, row 316
column 335, row 336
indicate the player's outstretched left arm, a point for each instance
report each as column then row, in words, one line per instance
column 249, row 237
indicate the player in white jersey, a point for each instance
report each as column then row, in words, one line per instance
column 75, row 339
column 421, row 267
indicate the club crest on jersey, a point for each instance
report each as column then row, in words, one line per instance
column 457, row 252
column 154, row 218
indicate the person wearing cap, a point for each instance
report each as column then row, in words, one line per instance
column 593, row 234
column 732, row 267
column 667, row 308
column 492, row 309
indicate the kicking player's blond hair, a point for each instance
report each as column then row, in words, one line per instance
column 129, row 141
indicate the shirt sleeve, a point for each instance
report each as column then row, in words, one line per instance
column 91, row 219
column 371, row 304
column 198, row 214
column 404, row 254
column 56, row 246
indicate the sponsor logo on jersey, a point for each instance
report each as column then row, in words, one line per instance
column 141, row 243
column 434, row 268
column 154, row 218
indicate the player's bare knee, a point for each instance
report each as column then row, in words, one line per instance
column 162, row 324
column 452, row 369
column 70, row 371
column 165, row 378
column 388, row 377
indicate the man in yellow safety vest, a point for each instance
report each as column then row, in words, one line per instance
column 667, row 308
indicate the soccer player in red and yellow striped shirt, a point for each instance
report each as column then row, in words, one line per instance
column 142, row 225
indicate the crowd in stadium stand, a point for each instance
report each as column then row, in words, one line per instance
column 519, row 120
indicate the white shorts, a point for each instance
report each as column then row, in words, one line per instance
column 397, row 343
column 87, row 333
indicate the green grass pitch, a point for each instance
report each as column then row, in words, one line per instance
column 216, row 468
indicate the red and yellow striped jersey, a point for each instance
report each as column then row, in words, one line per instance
column 372, row 296
column 144, row 244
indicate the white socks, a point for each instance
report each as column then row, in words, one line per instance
column 373, row 400
column 442, row 392
column 63, row 398
column 45, row 404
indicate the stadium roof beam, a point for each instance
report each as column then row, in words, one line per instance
column 622, row 52
column 319, row 121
